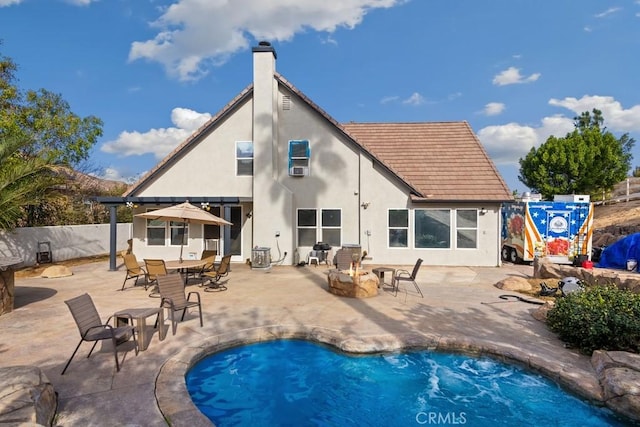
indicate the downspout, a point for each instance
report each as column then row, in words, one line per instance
column 360, row 199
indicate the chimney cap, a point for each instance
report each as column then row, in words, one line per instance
column 265, row 46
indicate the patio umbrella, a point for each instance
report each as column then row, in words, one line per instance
column 185, row 213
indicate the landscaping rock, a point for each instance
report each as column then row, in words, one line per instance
column 540, row 314
column 619, row 376
column 26, row 397
column 56, row 271
column 514, row 284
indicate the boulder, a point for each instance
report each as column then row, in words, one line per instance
column 619, row 376
column 26, row 397
column 514, row 283
column 541, row 312
column 56, row 271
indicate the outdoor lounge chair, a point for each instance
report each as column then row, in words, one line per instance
column 155, row 268
column 196, row 273
column 405, row 276
column 173, row 296
column 134, row 270
column 92, row 329
column 214, row 276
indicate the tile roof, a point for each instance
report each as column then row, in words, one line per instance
column 442, row 160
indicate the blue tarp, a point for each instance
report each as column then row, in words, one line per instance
column 617, row 254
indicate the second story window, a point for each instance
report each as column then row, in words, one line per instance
column 299, row 154
column 244, row 158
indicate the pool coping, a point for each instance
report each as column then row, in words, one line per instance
column 179, row 410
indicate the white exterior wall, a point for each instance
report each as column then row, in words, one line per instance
column 341, row 177
column 67, row 241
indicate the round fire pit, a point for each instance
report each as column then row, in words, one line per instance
column 359, row 284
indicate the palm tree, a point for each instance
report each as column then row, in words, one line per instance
column 24, row 180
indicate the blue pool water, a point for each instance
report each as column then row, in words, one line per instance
column 299, row 383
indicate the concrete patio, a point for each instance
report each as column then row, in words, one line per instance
column 461, row 310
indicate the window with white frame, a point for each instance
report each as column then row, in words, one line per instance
column 156, row 232
column 179, row 232
column 244, row 158
column 398, row 226
column 307, row 227
column 299, row 154
column 467, row 228
column 332, row 226
column 432, row 228
column 327, row 228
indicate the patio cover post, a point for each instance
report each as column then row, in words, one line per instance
column 113, row 237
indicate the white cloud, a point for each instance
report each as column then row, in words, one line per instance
column 512, row 76
column 616, row 118
column 608, row 12
column 493, row 109
column 388, row 99
column 194, row 34
column 506, row 144
column 4, row 3
column 159, row 142
column 415, row 99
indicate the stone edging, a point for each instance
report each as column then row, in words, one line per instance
column 178, row 409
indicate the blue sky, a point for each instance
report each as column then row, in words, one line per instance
column 154, row 70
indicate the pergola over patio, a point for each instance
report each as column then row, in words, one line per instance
column 114, row 202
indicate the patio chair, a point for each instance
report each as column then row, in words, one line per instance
column 174, row 299
column 196, row 273
column 155, row 268
column 214, row 276
column 134, row 270
column 92, row 329
column 405, row 276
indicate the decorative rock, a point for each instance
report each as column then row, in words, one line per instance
column 619, row 375
column 545, row 269
column 514, row 284
column 363, row 286
column 27, row 397
column 56, row 271
column 540, row 314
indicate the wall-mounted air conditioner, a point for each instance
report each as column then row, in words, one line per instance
column 299, row 171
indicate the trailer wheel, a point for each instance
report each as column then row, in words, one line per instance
column 513, row 256
column 506, row 252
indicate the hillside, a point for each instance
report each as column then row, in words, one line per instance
column 619, row 217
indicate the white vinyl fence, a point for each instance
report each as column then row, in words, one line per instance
column 66, row 241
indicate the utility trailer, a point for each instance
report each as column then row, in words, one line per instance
column 560, row 230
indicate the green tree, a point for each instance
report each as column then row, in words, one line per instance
column 586, row 161
column 25, row 181
column 44, row 121
column 40, row 137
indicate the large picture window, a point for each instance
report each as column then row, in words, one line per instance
column 398, row 228
column 467, row 228
column 244, row 158
column 326, row 228
column 432, row 228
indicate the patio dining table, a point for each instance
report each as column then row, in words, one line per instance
column 182, row 265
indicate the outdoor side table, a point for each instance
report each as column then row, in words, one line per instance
column 140, row 315
column 380, row 273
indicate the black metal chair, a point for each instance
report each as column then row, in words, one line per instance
column 405, row 276
column 92, row 329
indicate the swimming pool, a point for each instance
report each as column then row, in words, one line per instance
column 300, row 383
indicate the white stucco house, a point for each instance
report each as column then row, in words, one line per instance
column 287, row 175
